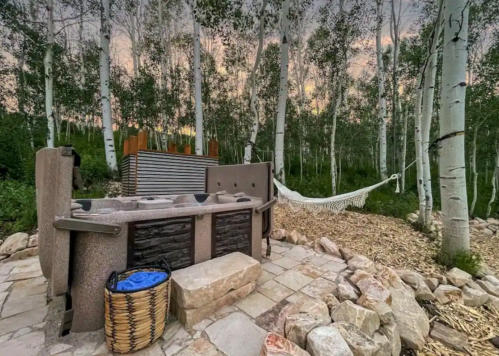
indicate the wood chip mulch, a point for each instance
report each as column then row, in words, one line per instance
column 394, row 243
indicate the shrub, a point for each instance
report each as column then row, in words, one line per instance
column 468, row 261
column 18, row 212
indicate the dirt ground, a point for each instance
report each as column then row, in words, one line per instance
column 394, row 243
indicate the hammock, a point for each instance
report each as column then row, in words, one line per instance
column 335, row 204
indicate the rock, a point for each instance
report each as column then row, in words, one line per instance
column 458, row 277
column 347, row 292
column 484, row 270
column 492, row 279
column 279, row 234
column 441, row 279
column 299, row 325
column 481, row 221
column 489, row 287
column 200, row 347
column 481, row 226
column 412, row 218
column 302, row 240
column 200, row 284
column 274, row 319
column 22, row 255
column 492, row 228
column 276, row 345
column 473, row 297
column 446, row 294
column 384, row 311
column 474, row 285
column 327, row 341
column 294, row 237
column 382, row 342
column 374, row 290
column 389, row 278
column 33, row 241
column 346, row 253
column 317, row 246
column 366, row 320
column 495, row 342
column 450, row 337
column 329, row 247
column 316, row 307
column 360, row 343
column 361, row 262
column 358, row 276
column 494, row 302
column 412, row 322
column 391, row 332
column 493, row 221
column 412, row 278
column 331, row 302
column 432, row 283
column 14, row 243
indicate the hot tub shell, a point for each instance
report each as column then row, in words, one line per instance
column 82, row 241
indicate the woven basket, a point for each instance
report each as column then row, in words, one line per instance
column 134, row 320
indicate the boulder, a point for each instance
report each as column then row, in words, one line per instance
column 492, row 279
column 317, row 246
column 276, row 345
column 412, row 278
column 279, row 234
column 412, row 218
column 458, row 277
column 358, row 276
column 484, row 270
column 492, row 227
column 432, row 283
column 33, row 241
column 360, row 343
column 316, row 307
column 450, row 337
column 412, row 322
column 385, row 349
column 488, row 232
column 327, row 341
column 441, row 279
column 23, row 254
column 384, row 311
column 481, row 221
column 331, row 302
column 274, row 319
column 374, row 290
column 361, row 262
column 294, row 237
column 347, row 292
column 494, row 302
column 474, row 285
column 14, row 243
column 329, row 247
column 493, row 221
column 366, row 320
column 389, row 278
column 391, row 332
column 489, row 287
column 447, row 293
column 473, row 297
column 346, row 253
column 299, row 325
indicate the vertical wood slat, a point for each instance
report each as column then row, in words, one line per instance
column 172, row 147
column 133, row 148
column 142, row 140
column 213, row 148
column 126, row 148
column 187, row 149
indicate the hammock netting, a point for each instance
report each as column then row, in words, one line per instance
column 336, row 204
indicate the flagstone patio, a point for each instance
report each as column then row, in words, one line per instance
column 29, row 320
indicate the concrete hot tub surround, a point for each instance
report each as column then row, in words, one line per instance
column 82, row 241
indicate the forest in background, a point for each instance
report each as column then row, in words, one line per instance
column 345, row 59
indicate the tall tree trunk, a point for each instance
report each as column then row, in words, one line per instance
column 49, row 77
column 473, row 167
column 254, row 128
column 283, row 94
column 404, row 148
column 104, row 62
column 381, row 92
column 494, row 178
column 82, row 69
column 419, row 147
column 452, row 163
column 133, row 26
column 427, row 112
column 395, row 34
column 197, row 85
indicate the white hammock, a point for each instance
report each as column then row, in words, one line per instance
column 335, row 204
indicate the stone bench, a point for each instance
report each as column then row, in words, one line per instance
column 199, row 290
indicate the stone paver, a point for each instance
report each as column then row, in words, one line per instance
column 275, row 291
column 319, row 288
column 334, row 266
column 293, row 279
column 286, row 262
column 255, row 304
column 236, row 335
column 279, row 249
column 317, row 260
column 15, row 305
column 299, row 253
column 26, row 345
column 265, row 277
column 23, row 320
column 309, row 270
column 272, row 268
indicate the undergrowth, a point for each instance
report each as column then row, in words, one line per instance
column 468, row 261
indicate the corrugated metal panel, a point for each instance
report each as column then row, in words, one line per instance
column 128, row 175
column 169, row 173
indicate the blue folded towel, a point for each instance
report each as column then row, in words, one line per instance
column 140, row 280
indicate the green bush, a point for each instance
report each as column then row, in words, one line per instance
column 18, row 212
column 468, row 261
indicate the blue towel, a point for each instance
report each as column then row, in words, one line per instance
column 140, row 280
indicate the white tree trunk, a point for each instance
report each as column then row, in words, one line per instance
column 419, row 147
column 283, row 94
column 82, row 68
column 452, row 163
column 404, row 148
column 494, row 178
column 381, row 92
column 197, row 86
column 49, row 77
column 254, row 128
column 104, row 62
column 134, row 41
column 333, row 133
column 473, row 167
column 427, row 111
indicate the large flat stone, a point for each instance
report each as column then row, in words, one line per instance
column 273, row 320
column 316, row 260
column 299, row 253
column 19, row 321
column 15, row 306
column 236, row 335
column 286, row 262
column 319, row 288
column 190, row 317
column 450, row 337
column 273, row 268
column 309, row 270
column 293, row 279
column 14, row 243
column 24, row 275
column 255, row 304
column 275, row 291
column 200, row 284
column 265, row 277
column 200, row 347
column 334, row 266
column 26, row 345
